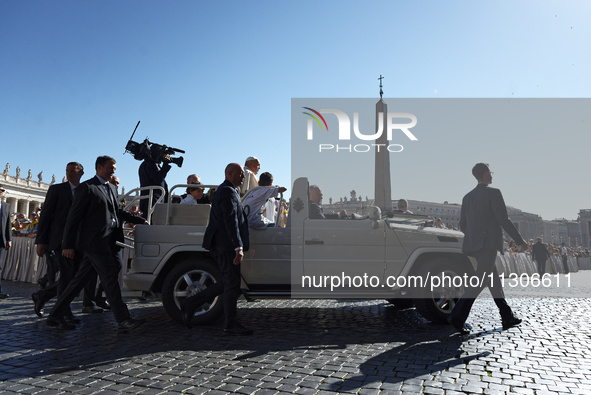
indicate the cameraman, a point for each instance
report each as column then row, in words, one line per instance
column 153, row 174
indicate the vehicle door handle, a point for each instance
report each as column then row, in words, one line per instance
column 315, row 241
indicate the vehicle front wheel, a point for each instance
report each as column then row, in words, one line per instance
column 186, row 279
column 437, row 298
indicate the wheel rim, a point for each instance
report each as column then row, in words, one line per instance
column 445, row 297
column 191, row 283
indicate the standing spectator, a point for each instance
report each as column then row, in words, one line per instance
column 564, row 255
column 20, row 224
column 226, row 238
column 31, row 229
column 540, row 254
column 482, row 216
column 251, row 169
column 5, row 234
column 94, row 226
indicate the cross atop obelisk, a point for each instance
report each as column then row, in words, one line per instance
column 383, row 187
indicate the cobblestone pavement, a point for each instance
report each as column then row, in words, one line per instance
column 302, row 347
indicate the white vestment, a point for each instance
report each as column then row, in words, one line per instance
column 254, row 204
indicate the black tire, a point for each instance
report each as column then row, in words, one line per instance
column 436, row 305
column 187, row 278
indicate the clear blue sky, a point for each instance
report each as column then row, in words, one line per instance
column 216, row 79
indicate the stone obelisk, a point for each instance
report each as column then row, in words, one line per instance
column 383, row 188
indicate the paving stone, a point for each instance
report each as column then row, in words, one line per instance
column 301, row 346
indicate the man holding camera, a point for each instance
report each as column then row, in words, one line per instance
column 153, row 174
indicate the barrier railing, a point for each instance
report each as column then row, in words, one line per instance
column 23, row 264
column 520, row 263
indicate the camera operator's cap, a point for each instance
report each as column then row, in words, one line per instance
column 251, row 158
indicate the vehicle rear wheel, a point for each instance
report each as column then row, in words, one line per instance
column 436, row 303
column 187, row 278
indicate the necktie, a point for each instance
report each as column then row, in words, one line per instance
column 112, row 206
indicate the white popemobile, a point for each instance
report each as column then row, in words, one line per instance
column 395, row 258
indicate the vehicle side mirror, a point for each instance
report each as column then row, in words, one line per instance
column 375, row 214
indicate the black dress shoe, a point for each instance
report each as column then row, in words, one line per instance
column 38, row 304
column 59, row 323
column 129, row 324
column 237, row 330
column 91, row 310
column 187, row 314
column 514, row 321
column 3, row 296
column 70, row 319
column 189, row 306
column 462, row 329
column 102, row 303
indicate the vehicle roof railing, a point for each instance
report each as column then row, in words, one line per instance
column 150, row 196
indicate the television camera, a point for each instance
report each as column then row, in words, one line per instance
column 152, row 151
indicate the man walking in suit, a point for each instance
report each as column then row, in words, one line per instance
column 49, row 242
column 5, row 234
column 482, row 216
column 540, row 254
column 564, row 256
column 226, row 238
column 94, row 225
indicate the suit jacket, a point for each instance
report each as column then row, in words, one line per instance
column 53, row 217
column 483, row 215
column 316, row 212
column 89, row 226
column 228, row 227
column 540, row 252
column 6, row 229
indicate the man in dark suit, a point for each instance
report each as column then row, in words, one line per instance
column 50, row 230
column 5, row 234
column 482, row 216
column 226, row 238
column 94, row 225
column 540, row 254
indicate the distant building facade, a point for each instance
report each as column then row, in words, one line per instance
column 24, row 195
column 573, row 233
column 448, row 212
column 585, row 227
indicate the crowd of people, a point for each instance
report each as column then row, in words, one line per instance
column 22, row 226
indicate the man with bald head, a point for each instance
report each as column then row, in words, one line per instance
column 226, row 238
